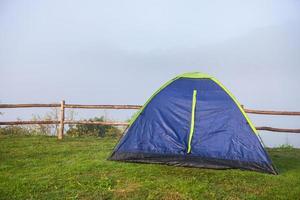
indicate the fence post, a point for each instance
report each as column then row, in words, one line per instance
column 61, row 121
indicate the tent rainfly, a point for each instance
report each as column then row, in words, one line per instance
column 193, row 121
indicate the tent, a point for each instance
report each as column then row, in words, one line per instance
column 194, row 121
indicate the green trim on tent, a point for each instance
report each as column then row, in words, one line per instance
column 153, row 95
column 192, row 121
column 194, row 75
column 237, row 103
column 200, row 76
column 185, row 75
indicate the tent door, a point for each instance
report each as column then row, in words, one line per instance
column 194, row 101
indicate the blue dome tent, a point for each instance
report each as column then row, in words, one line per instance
column 193, row 120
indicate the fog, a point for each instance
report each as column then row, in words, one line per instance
column 120, row 52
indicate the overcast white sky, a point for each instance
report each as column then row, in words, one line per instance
column 120, row 52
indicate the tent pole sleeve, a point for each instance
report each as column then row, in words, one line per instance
column 192, row 121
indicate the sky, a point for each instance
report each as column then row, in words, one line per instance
column 120, row 52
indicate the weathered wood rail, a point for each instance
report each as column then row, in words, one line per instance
column 70, row 106
column 63, row 106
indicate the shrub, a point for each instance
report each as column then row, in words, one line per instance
column 286, row 146
column 14, row 130
column 93, row 130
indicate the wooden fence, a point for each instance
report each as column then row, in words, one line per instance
column 63, row 106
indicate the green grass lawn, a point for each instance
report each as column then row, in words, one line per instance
column 39, row 167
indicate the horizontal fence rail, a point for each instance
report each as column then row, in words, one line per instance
column 98, row 123
column 268, row 112
column 70, row 106
column 37, row 105
column 21, row 122
column 63, row 106
column 267, row 128
column 117, row 107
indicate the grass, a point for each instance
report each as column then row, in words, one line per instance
column 40, row 167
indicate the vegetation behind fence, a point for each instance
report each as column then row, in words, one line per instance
column 60, row 121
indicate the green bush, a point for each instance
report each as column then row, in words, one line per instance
column 94, row 130
column 14, row 130
column 74, row 130
column 286, row 146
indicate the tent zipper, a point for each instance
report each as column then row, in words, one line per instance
column 192, row 121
